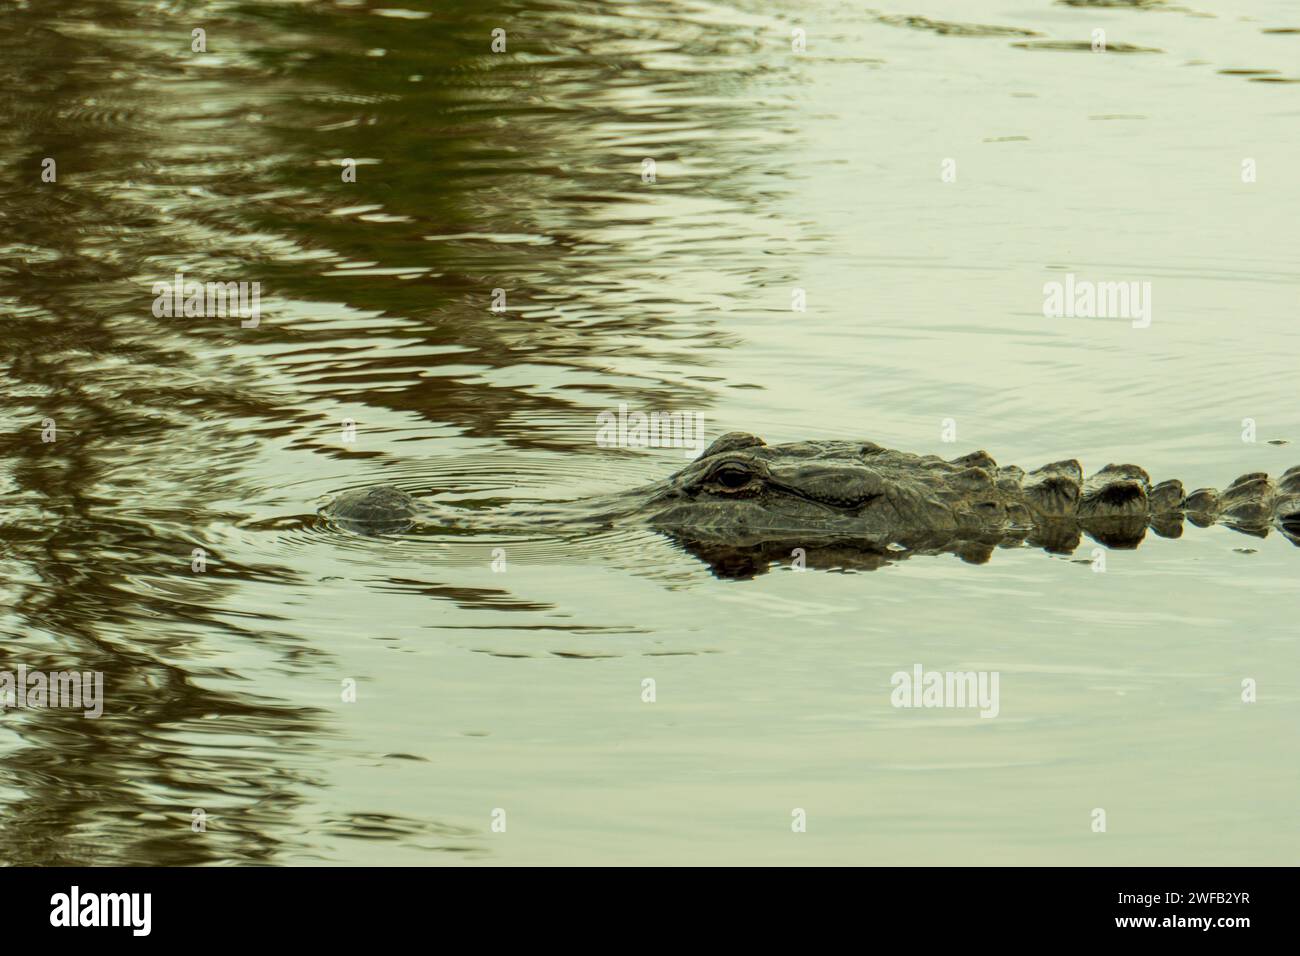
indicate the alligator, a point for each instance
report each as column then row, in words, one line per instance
column 743, row 504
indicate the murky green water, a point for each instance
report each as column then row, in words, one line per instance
column 481, row 691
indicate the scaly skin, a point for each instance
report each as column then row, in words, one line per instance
column 741, row 483
column 744, row 502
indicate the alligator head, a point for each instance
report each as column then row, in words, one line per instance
column 741, row 486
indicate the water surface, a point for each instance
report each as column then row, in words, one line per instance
column 522, row 690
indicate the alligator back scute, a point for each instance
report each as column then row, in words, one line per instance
column 1115, row 491
column 1289, row 483
column 1286, row 505
column 1166, row 497
column 1248, row 500
column 977, row 459
column 971, row 479
column 1054, row 489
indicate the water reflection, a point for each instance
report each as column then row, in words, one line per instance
column 475, row 172
column 525, row 172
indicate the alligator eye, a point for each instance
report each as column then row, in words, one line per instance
column 732, row 476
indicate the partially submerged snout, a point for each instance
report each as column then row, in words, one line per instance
column 379, row 510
